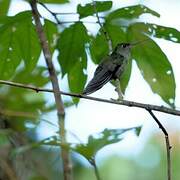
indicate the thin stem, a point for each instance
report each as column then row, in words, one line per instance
column 67, row 168
column 8, row 170
column 123, row 102
column 168, row 146
column 51, row 12
column 96, row 171
column 65, row 22
column 108, row 39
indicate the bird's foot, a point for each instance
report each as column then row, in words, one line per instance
column 120, row 95
column 119, row 99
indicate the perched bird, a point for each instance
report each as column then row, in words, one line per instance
column 111, row 67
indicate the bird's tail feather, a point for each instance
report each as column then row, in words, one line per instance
column 97, row 82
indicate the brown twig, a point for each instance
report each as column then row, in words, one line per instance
column 7, row 169
column 168, row 146
column 123, row 102
column 56, row 89
column 108, row 39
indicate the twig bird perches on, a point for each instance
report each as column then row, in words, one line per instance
column 111, row 67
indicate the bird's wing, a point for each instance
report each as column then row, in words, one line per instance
column 101, row 76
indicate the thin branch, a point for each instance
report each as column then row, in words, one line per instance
column 67, row 168
column 108, row 39
column 51, row 12
column 123, row 102
column 6, row 112
column 96, row 171
column 54, row 14
column 7, row 169
column 168, row 146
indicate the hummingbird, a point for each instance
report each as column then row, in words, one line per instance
column 111, row 67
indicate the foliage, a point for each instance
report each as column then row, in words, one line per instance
column 20, row 52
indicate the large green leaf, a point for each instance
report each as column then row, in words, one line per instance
column 77, row 79
column 130, row 12
column 4, row 6
column 51, row 31
column 54, row 1
column 89, row 8
column 72, row 56
column 154, row 66
column 158, row 31
column 71, row 46
column 18, row 41
column 96, row 143
column 99, row 46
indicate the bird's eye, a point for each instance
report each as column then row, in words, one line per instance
column 123, row 45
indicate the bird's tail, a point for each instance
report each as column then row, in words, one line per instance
column 97, row 82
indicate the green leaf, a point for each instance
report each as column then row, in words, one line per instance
column 25, row 105
column 72, row 57
column 18, row 41
column 130, row 12
column 54, row 1
column 77, row 79
column 158, row 31
column 52, row 140
column 51, row 31
column 71, row 46
column 125, row 77
column 95, row 143
column 4, row 6
column 99, row 46
column 3, row 139
column 154, row 66
column 89, row 8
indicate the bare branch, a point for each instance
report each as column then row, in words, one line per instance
column 168, row 146
column 7, row 169
column 51, row 12
column 108, row 39
column 67, row 168
column 123, row 102
column 55, row 15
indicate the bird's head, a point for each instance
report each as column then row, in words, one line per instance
column 123, row 49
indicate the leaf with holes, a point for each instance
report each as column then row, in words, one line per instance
column 102, row 139
column 154, row 66
column 89, row 8
column 158, row 31
column 71, row 46
column 18, row 41
column 51, row 31
column 130, row 12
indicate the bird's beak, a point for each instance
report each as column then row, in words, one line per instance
column 138, row 42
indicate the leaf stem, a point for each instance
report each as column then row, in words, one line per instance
column 96, row 171
column 108, row 39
